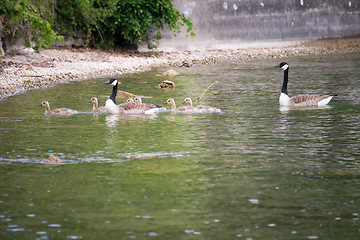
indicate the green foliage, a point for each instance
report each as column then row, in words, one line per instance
column 109, row 23
column 29, row 19
column 105, row 23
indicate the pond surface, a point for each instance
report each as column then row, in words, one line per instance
column 249, row 172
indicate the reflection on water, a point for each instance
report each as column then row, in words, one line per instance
column 253, row 171
column 286, row 109
column 112, row 119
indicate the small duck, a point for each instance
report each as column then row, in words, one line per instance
column 57, row 111
column 201, row 108
column 96, row 107
column 183, row 109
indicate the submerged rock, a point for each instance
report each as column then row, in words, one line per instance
column 52, row 159
column 122, row 94
column 170, row 72
column 166, row 84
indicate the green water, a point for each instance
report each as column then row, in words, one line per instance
column 249, row 172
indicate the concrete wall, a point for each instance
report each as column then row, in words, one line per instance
column 242, row 23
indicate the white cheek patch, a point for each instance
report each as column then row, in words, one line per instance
column 114, row 83
column 285, row 67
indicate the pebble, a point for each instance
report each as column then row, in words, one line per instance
column 31, row 70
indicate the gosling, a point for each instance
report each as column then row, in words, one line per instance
column 96, row 107
column 56, row 111
column 202, row 108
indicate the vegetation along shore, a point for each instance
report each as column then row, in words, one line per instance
column 21, row 72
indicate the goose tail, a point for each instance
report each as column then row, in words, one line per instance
column 325, row 101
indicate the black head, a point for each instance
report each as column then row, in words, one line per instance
column 112, row 81
column 282, row 65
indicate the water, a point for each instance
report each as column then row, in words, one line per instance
column 250, row 172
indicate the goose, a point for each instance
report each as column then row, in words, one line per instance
column 182, row 109
column 139, row 100
column 56, row 111
column 301, row 100
column 96, row 107
column 127, row 107
column 201, row 108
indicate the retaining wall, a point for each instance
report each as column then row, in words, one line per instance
column 239, row 23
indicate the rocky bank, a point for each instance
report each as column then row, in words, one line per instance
column 29, row 70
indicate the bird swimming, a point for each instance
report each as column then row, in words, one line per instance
column 302, row 100
column 182, row 109
column 201, row 108
column 56, row 111
column 96, row 107
column 127, row 107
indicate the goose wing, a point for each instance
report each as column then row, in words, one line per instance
column 308, row 100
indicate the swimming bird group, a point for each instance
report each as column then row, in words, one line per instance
column 134, row 104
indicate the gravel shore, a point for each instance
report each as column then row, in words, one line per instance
column 21, row 72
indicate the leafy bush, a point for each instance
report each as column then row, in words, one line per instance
column 106, row 23
column 29, row 19
column 111, row 23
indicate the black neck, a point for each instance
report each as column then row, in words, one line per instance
column 113, row 94
column 284, row 86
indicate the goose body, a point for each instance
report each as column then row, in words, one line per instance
column 139, row 100
column 302, row 100
column 201, row 108
column 96, row 107
column 182, row 109
column 127, row 107
column 56, row 111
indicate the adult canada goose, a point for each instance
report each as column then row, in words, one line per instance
column 201, row 108
column 182, row 109
column 127, row 107
column 302, row 100
column 56, row 111
column 96, row 107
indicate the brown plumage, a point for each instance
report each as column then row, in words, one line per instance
column 135, row 108
column 305, row 100
column 56, row 111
